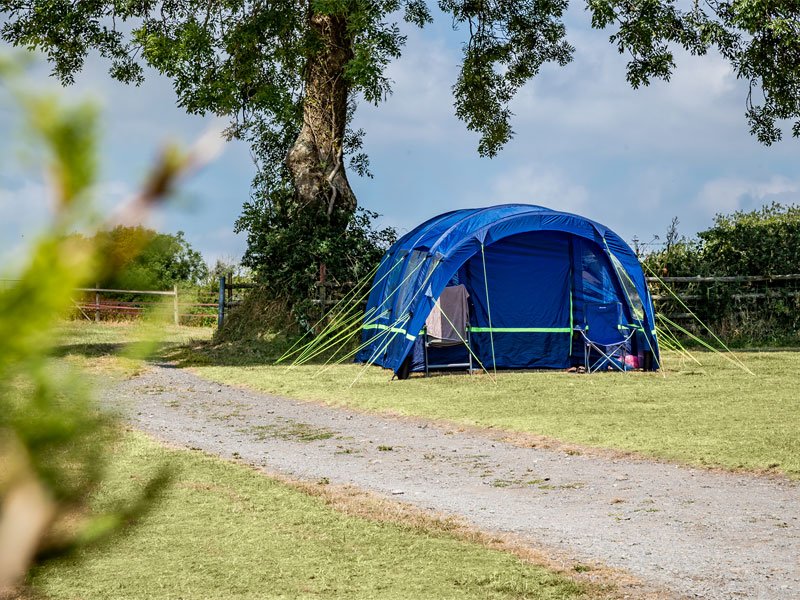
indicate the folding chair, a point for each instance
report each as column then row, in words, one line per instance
column 454, row 301
column 604, row 332
column 431, row 342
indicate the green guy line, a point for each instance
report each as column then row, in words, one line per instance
column 337, row 318
column 494, row 379
column 289, row 351
column 488, row 311
column 707, row 328
column 347, row 331
column 706, row 344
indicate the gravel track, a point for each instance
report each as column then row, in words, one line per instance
column 693, row 532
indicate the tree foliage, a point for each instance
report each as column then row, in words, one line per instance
column 289, row 75
column 285, row 248
column 248, row 60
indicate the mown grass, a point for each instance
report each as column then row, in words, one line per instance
column 221, row 530
column 118, row 348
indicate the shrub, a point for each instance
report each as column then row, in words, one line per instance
column 761, row 242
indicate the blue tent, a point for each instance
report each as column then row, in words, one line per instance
column 529, row 272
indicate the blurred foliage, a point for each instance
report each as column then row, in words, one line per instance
column 762, row 242
column 53, row 442
column 137, row 258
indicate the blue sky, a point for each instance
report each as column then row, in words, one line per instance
column 585, row 142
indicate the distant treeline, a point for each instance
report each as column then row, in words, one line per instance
column 143, row 259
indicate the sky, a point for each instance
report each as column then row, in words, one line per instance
column 585, row 142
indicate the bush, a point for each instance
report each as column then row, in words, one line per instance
column 143, row 259
column 289, row 249
column 763, row 242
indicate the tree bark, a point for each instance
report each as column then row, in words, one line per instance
column 316, row 157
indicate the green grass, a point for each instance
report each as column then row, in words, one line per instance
column 710, row 415
column 222, row 530
column 119, row 347
column 86, row 336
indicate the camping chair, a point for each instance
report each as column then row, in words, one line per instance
column 432, row 342
column 603, row 332
column 452, row 302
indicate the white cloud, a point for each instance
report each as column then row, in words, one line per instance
column 545, row 186
column 590, row 100
column 420, row 111
column 726, row 195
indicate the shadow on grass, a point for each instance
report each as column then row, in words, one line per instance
column 193, row 354
column 150, row 351
column 91, row 350
column 233, row 354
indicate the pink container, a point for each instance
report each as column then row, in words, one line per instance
column 632, row 361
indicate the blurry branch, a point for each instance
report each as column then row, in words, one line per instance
column 53, row 441
column 173, row 165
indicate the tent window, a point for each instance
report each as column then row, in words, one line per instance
column 391, row 286
column 629, row 288
column 408, row 283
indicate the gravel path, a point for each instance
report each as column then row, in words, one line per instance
column 693, row 532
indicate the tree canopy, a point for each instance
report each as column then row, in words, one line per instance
column 290, row 74
column 251, row 61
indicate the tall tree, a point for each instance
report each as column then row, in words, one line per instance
column 288, row 73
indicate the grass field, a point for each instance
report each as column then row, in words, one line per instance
column 222, row 530
column 713, row 414
column 117, row 349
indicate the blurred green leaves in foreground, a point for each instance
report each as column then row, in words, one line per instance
column 52, row 439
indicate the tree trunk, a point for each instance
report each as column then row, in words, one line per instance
column 316, row 157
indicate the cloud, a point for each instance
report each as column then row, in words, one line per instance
column 545, row 186
column 589, row 100
column 726, row 195
column 420, row 110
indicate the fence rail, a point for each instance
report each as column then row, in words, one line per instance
column 225, row 297
column 726, row 279
column 738, row 293
column 751, row 296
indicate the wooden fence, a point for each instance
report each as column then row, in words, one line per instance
column 743, row 290
column 203, row 305
column 98, row 303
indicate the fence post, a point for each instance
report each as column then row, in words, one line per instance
column 221, row 302
column 175, row 304
column 96, row 303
